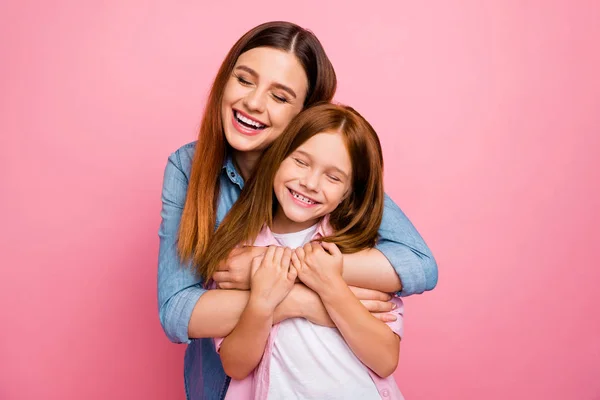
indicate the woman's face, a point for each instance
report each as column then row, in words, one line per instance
column 266, row 89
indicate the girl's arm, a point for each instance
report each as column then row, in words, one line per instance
column 371, row 340
column 242, row 349
column 272, row 280
column 374, row 343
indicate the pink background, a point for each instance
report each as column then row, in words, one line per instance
column 489, row 115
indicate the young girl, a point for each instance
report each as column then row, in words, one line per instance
column 320, row 191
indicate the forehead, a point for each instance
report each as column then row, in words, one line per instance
column 328, row 149
column 274, row 65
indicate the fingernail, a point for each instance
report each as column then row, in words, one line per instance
column 394, row 306
column 392, row 318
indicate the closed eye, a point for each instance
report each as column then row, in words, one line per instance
column 300, row 162
column 280, row 99
column 243, row 81
column 334, row 178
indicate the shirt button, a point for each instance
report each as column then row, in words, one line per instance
column 385, row 393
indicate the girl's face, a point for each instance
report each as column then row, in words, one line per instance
column 312, row 181
column 266, row 89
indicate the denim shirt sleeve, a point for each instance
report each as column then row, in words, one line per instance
column 406, row 250
column 178, row 287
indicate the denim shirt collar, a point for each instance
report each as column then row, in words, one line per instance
column 231, row 171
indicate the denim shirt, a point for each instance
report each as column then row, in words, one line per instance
column 179, row 288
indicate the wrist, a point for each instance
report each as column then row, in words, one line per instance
column 290, row 307
column 259, row 308
column 334, row 291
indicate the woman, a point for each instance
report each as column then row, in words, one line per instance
column 271, row 74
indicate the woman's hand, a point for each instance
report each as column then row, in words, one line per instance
column 376, row 302
column 235, row 271
column 307, row 304
column 272, row 278
column 319, row 265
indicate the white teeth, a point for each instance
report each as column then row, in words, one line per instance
column 248, row 121
column 302, row 198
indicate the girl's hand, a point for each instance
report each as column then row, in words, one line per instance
column 235, row 271
column 319, row 265
column 272, row 278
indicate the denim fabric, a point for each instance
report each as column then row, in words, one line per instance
column 179, row 289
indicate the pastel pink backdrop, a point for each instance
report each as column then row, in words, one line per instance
column 488, row 112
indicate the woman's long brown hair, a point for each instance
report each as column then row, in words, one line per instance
column 355, row 221
column 199, row 214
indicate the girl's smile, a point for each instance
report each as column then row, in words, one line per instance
column 311, row 182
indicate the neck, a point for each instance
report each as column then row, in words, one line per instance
column 282, row 224
column 245, row 161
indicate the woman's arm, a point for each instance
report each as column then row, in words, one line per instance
column 372, row 270
column 406, row 250
column 368, row 269
column 401, row 261
column 178, row 288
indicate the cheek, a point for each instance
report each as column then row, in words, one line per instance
column 278, row 180
column 283, row 116
column 336, row 195
column 233, row 92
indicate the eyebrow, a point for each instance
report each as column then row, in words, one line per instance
column 329, row 166
column 277, row 85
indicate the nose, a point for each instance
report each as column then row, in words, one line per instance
column 310, row 180
column 256, row 100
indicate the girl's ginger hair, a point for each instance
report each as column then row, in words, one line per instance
column 355, row 221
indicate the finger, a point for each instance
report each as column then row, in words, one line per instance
column 331, row 248
column 370, row 294
column 256, row 263
column 292, row 273
column 296, row 262
column 278, row 256
column 270, row 253
column 223, row 265
column 226, row 285
column 316, row 246
column 222, row 276
column 378, row 306
column 300, row 253
column 287, row 257
column 385, row 317
column 307, row 248
column 256, row 250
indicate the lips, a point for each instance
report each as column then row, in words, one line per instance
column 247, row 125
column 302, row 199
